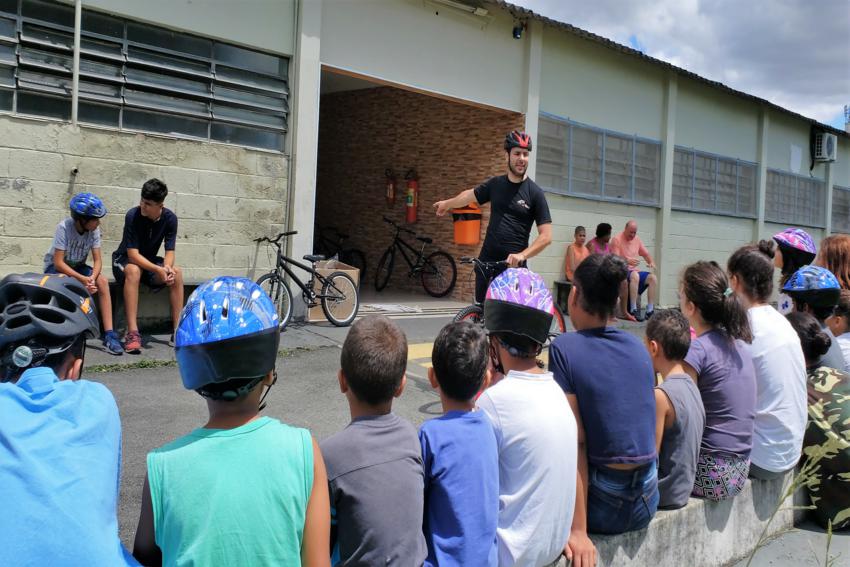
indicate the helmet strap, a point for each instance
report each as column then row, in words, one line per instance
column 268, row 389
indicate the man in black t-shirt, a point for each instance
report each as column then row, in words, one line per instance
column 146, row 228
column 517, row 203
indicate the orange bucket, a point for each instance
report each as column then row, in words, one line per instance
column 467, row 222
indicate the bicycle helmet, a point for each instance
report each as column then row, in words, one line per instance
column 799, row 240
column 87, row 205
column 42, row 315
column 517, row 139
column 519, row 302
column 814, row 285
column 227, row 331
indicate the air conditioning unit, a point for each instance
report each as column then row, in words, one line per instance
column 826, row 146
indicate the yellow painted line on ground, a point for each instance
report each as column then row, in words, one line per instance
column 419, row 351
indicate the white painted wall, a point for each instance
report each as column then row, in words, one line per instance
column 429, row 47
column 695, row 237
column 265, row 24
column 841, row 166
column 713, row 121
column 595, row 85
column 784, row 132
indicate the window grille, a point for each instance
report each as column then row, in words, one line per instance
column 140, row 77
column 583, row 161
column 841, row 209
column 795, row 199
column 708, row 183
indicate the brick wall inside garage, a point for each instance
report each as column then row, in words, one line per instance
column 451, row 146
column 224, row 196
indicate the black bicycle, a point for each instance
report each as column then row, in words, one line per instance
column 475, row 312
column 437, row 270
column 330, row 242
column 339, row 297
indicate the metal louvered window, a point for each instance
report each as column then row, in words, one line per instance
column 840, row 209
column 583, row 161
column 795, row 199
column 136, row 76
column 713, row 184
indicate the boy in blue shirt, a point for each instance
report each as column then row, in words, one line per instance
column 60, row 437
column 74, row 238
column 460, row 455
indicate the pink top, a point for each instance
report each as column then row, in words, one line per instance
column 594, row 248
column 629, row 249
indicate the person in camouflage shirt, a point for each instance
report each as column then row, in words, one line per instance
column 828, row 431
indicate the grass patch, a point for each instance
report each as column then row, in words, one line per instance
column 140, row 364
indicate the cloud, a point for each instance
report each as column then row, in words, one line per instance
column 794, row 53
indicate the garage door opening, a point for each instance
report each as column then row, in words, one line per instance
column 369, row 132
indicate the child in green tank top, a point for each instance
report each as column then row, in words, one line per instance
column 208, row 497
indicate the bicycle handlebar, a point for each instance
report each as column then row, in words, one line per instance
column 482, row 263
column 399, row 227
column 277, row 238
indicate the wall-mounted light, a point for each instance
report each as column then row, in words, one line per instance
column 517, row 31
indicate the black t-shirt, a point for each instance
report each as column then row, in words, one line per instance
column 146, row 235
column 514, row 208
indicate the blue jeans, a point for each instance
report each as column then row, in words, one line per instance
column 621, row 501
column 82, row 269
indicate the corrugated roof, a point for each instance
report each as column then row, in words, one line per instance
column 524, row 14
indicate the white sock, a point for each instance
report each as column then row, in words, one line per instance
column 632, row 306
column 650, row 308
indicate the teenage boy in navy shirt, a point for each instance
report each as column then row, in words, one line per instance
column 460, row 454
column 146, row 227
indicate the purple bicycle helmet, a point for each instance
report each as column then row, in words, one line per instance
column 797, row 239
column 519, row 302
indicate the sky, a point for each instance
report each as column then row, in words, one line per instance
column 794, row 53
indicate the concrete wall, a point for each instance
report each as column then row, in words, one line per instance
column 785, row 132
column 265, row 24
column 589, row 83
column 841, row 166
column 568, row 212
column 427, row 46
column 223, row 196
column 452, row 146
column 713, row 121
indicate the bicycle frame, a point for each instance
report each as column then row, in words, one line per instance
column 400, row 244
column 307, row 289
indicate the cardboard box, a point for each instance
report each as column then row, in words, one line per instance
column 326, row 268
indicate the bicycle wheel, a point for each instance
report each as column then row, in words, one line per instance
column 385, row 269
column 356, row 259
column 439, row 274
column 559, row 325
column 471, row 313
column 341, row 301
column 281, row 296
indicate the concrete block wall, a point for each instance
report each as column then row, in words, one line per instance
column 452, row 147
column 224, row 196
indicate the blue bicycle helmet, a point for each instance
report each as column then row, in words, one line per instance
column 87, row 205
column 814, row 285
column 227, row 331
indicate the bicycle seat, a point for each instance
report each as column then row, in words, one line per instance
column 425, row 239
column 314, row 257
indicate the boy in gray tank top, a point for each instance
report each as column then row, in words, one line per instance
column 679, row 411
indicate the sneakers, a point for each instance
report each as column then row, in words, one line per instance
column 648, row 314
column 133, row 342
column 636, row 314
column 112, row 342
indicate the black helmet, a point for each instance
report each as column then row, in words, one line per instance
column 45, row 312
column 517, row 139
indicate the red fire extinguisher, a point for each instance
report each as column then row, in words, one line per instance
column 392, row 181
column 412, row 199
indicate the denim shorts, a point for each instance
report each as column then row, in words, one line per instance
column 621, row 501
column 82, row 269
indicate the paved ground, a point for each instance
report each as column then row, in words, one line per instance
column 156, row 409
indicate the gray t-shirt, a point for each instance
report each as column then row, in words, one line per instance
column 677, row 461
column 377, row 491
column 833, row 358
column 76, row 246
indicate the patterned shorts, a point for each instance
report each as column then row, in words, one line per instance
column 720, row 477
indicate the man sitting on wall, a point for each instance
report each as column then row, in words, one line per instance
column 629, row 245
column 146, row 227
